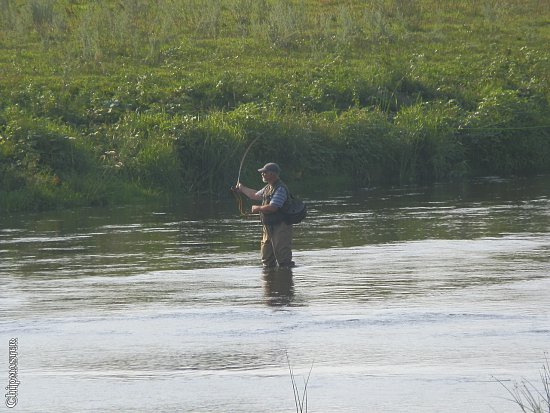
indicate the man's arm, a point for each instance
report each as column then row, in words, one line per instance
column 249, row 192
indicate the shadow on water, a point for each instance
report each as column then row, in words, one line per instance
column 278, row 285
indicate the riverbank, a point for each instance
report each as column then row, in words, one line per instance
column 99, row 105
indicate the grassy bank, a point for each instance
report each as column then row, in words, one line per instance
column 114, row 101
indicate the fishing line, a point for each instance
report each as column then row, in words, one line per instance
column 475, row 128
column 504, row 128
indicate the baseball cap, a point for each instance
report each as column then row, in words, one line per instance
column 271, row 167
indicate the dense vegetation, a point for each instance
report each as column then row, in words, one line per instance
column 116, row 100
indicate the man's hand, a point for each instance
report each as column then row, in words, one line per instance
column 256, row 209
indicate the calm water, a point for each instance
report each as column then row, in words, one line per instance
column 413, row 299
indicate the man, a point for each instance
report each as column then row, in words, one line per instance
column 276, row 246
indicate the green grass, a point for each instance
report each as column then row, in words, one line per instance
column 163, row 97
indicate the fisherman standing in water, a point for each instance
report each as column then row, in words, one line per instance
column 276, row 246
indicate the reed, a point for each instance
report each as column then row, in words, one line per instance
column 529, row 397
column 300, row 398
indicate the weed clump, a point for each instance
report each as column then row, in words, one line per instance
column 529, row 397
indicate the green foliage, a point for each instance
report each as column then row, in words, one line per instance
column 204, row 149
column 141, row 148
column 502, row 136
column 39, row 144
column 368, row 150
column 117, row 100
column 429, row 149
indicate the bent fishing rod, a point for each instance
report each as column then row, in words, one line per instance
column 237, row 194
column 243, row 158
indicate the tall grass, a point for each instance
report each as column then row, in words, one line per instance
column 163, row 97
column 140, row 28
column 530, row 397
column 300, row 397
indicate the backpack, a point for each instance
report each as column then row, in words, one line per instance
column 294, row 211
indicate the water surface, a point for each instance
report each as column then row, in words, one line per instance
column 408, row 299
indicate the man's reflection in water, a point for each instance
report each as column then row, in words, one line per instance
column 278, row 286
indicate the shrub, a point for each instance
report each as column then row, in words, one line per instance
column 42, row 145
column 366, row 150
column 428, row 148
column 502, row 136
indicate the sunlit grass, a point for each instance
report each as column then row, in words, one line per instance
column 163, row 95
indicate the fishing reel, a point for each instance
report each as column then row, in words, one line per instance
column 239, row 200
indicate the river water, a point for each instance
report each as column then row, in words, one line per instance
column 407, row 299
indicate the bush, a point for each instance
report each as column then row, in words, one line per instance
column 428, row 148
column 499, row 136
column 367, row 152
column 37, row 144
column 141, row 147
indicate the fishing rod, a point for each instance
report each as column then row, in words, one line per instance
column 243, row 158
column 237, row 194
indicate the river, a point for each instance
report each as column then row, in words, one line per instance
column 405, row 299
